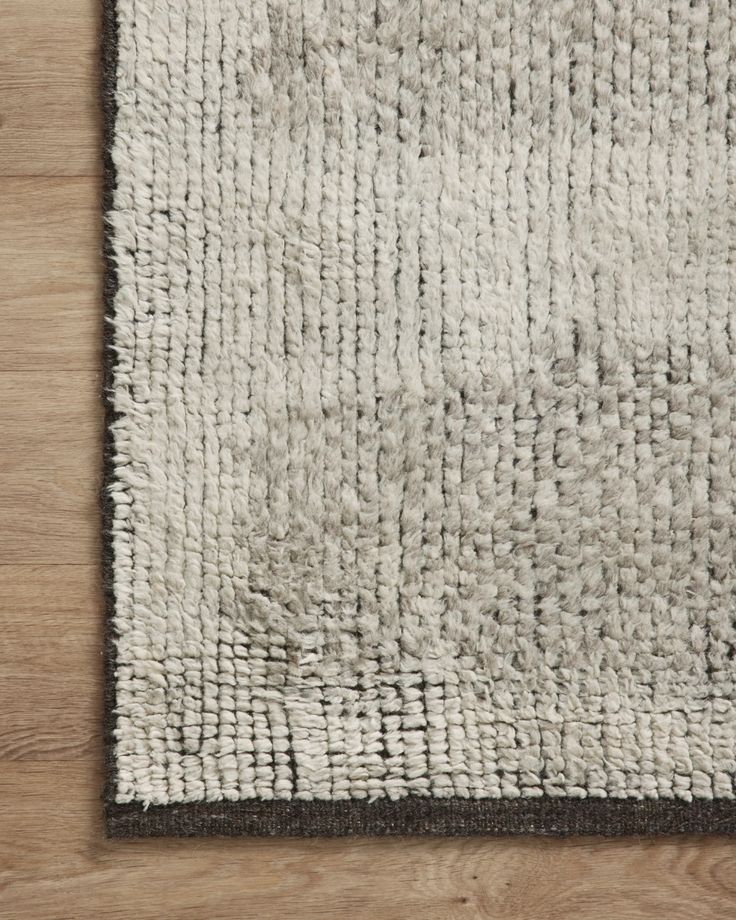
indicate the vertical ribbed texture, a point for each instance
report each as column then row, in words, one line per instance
column 424, row 464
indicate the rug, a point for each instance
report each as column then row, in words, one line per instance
column 420, row 466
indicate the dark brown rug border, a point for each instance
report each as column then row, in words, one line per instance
column 109, row 61
column 417, row 816
column 544, row 816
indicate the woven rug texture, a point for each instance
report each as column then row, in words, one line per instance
column 420, row 466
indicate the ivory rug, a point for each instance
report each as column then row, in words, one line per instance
column 420, row 467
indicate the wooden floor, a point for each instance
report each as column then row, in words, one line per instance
column 54, row 860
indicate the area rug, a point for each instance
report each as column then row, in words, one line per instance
column 420, row 467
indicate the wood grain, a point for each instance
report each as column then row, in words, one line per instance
column 50, row 654
column 48, row 90
column 54, row 860
column 49, row 467
column 50, row 245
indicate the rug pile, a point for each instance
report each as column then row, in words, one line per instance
column 420, row 467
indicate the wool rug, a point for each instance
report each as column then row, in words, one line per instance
column 420, row 467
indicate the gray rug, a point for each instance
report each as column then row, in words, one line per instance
column 420, row 468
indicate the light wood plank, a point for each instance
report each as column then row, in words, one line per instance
column 50, row 274
column 50, row 662
column 50, row 465
column 49, row 103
